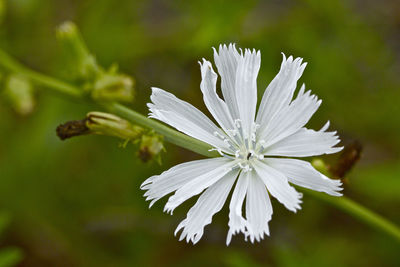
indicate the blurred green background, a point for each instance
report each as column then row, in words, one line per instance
column 78, row 202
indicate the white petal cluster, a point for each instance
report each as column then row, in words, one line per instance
column 254, row 146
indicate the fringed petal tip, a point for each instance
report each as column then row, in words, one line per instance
column 206, row 66
column 169, row 208
column 223, row 48
column 248, row 235
column 155, row 92
column 297, row 206
column 147, row 182
column 204, row 62
column 237, row 227
column 336, row 188
column 290, row 62
column 193, row 237
column 169, row 211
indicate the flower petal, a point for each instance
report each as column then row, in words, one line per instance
column 305, row 143
column 280, row 91
column 226, row 61
column 214, row 103
column 291, row 118
column 158, row 186
column 278, row 186
column 209, row 203
column 186, row 118
column 258, row 208
column 246, row 88
column 197, row 185
column 237, row 223
column 302, row 173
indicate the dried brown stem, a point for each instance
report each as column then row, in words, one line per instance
column 71, row 129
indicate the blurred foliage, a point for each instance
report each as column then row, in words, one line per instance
column 78, row 202
column 19, row 92
column 9, row 256
column 81, row 67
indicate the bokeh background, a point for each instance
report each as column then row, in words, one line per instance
column 78, row 202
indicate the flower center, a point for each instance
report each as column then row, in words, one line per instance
column 249, row 155
column 246, row 158
column 245, row 146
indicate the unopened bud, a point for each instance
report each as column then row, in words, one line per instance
column 150, row 144
column 101, row 84
column 20, row 94
column 150, row 147
column 320, row 165
column 113, row 87
column 111, row 125
column 100, row 123
column 82, row 64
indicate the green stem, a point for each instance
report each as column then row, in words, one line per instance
column 169, row 134
column 347, row 205
column 360, row 212
column 12, row 65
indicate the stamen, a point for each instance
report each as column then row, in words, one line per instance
column 233, row 132
column 245, row 168
column 262, row 143
column 221, row 153
column 254, row 129
column 238, row 123
column 251, row 140
column 256, row 126
column 226, row 140
column 253, row 137
column 217, row 134
column 218, row 150
column 227, row 156
column 233, row 168
column 237, row 153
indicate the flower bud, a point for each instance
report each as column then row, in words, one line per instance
column 320, row 165
column 150, row 147
column 81, row 63
column 100, row 84
column 20, row 94
column 150, row 143
column 113, row 87
column 111, row 125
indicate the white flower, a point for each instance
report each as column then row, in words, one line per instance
column 254, row 148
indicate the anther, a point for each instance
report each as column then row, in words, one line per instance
column 217, row 134
column 232, row 132
column 238, row 123
column 253, row 137
column 262, row 143
column 218, row 150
